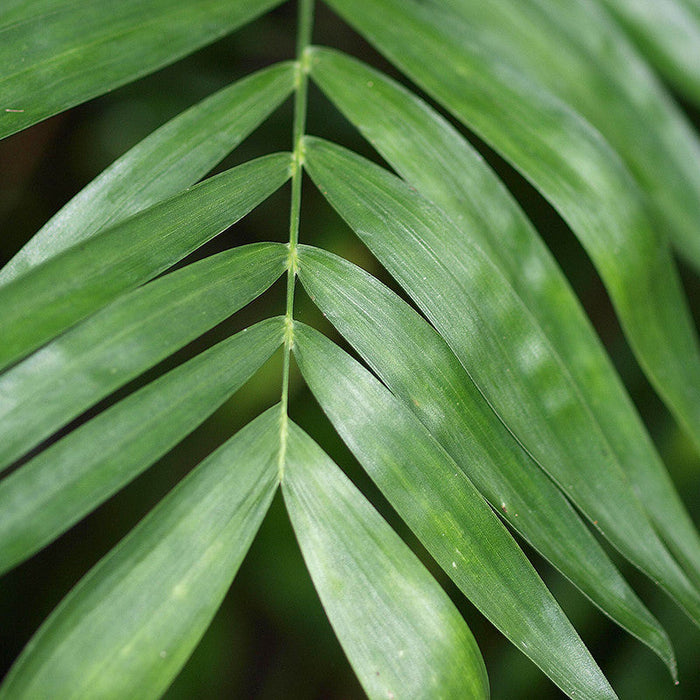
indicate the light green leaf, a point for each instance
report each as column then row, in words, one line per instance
column 55, row 55
column 573, row 167
column 67, row 376
column 420, row 369
column 402, row 634
column 166, row 162
column 668, row 32
column 131, row 623
column 440, row 504
column 57, row 488
column 429, row 153
column 500, row 344
column 65, row 289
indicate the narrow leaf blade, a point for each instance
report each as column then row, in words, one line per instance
column 71, row 52
column 446, row 512
column 172, row 158
column 67, row 376
column 65, row 482
column 401, row 632
column 65, row 289
column 131, row 623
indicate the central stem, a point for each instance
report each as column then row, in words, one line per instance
column 305, row 24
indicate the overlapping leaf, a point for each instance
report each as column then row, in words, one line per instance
column 419, row 368
column 72, row 477
column 65, row 289
column 447, row 513
column 570, row 163
column 58, row 53
column 128, row 627
column 429, row 153
column 500, row 344
column 166, row 162
column 67, row 376
column 369, row 582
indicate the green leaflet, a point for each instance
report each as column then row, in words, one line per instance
column 570, row 164
column 170, row 159
column 443, row 508
column 575, row 50
column 427, row 152
column 82, row 366
column 55, row 55
column 420, row 369
column 131, row 623
column 67, row 288
column 500, row 344
column 400, row 631
column 73, row 476
column 668, row 31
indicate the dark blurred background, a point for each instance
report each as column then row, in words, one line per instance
column 271, row 638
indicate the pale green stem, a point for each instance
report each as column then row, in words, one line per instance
column 305, row 24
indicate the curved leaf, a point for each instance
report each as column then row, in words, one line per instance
column 65, row 289
column 501, row 346
column 55, row 55
column 131, row 623
column 443, row 508
column 172, row 158
column 401, row 632
column 668, row 31
column 420, row 369
column 433, row 157
column 569, row 162
column 67, row 376
column 57, row 488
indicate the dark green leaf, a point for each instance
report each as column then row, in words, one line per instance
column 65, row 289
column 401, row 632
column 55, row 54
column 131, row 623
column 573, row 167
column 72, row 477
column 76, row 370
column 420, row 369
column 443, row 508
column 502, row 347
column 166, row 162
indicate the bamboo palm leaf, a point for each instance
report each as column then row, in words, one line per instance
column 668, row 31
column 67, row 288
column 128, row 627
column 443, row 508
column 54, row 490
column 56, row 54
column 67, row 376
column 420, row 369
column 570, row 164
column 501, row 346
column 430, row 154
column 166, row 162
column 369, row 582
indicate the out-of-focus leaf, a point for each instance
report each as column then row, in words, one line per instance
column 131, row 623
column 67, row 376
column 500, row 344
column 433, row 157
column 421, row 370
column 65, row 289
column 166, row 162
column 443, row 508
column 573, row 167
column 56, row 54
column 401, row 632
column 668, row 32
column 72, row 477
